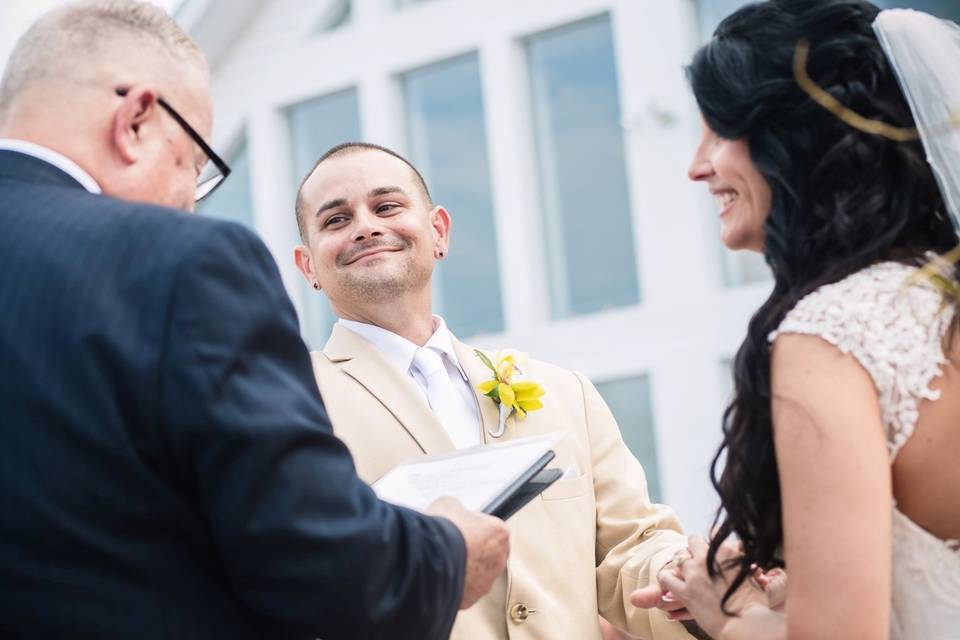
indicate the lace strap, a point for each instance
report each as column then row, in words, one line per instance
column 893, row 330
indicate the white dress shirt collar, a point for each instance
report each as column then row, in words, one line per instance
column 400, row 351
column 50, row 156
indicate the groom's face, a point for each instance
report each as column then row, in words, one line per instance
column 371, row 234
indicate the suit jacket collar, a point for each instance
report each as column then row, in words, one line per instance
column 22, row 167
column 363, row 362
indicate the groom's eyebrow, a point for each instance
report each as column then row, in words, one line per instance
column 330, row 204
column 383, row 191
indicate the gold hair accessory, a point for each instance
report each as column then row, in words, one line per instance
column 819, row 95
column 939, row 272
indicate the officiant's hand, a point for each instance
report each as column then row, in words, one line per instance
column 488, row 546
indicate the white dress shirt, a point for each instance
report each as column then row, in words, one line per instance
column 50, row 156
column 400, row 353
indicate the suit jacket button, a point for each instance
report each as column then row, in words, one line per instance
column 520, row 612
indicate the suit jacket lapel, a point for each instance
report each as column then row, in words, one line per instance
column 398, row 393
column 478, row 372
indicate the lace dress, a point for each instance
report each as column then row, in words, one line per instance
column 896, row 332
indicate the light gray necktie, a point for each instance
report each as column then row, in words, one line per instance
column 443, row 397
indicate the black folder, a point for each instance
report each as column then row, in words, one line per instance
column 527, row 487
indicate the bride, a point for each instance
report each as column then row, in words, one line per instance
column 842, row 444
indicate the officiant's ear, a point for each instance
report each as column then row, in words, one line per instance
column 137, row 105
column 441, row 223
column 304, row 262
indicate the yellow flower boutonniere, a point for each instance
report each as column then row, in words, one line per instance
column 513, row 394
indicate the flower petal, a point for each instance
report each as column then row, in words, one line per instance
column 527, row 390
column 507, row 396
column 505, row 369
column 531, row 405
column 487, row 386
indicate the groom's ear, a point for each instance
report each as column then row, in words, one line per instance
column 304, row 262
column 442, row 224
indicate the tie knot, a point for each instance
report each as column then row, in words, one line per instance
column 428, row 361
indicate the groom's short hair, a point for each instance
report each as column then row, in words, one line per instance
column 345, row 149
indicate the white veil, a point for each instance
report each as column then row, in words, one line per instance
column 924, row 52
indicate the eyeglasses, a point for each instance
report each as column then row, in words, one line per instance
column 215, row 171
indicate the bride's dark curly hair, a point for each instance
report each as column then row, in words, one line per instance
column 842, row 200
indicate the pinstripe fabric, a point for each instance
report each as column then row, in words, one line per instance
column 167, row 468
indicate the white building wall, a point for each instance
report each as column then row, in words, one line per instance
column 688, row 322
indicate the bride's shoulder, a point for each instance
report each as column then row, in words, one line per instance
column 876, row 304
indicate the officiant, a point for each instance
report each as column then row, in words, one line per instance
column 168, row 470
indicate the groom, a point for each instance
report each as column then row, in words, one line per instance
column 397, row 383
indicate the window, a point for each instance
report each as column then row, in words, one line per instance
column 315, row 126
column 588, row 229
column 233, row 200
column 629, row 401
column 447, row 139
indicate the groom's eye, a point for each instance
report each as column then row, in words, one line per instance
column 386, row 207
column 335, row 219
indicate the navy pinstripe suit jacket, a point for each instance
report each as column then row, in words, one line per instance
column 167, row 469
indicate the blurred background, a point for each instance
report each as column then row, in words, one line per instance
column 558, row 134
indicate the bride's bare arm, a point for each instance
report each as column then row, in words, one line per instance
column 836, row 491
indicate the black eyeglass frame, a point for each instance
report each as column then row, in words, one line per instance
column 196, row 137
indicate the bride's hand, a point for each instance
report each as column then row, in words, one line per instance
column 691, row 584
column 774, row 584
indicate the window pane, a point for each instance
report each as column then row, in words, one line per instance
column 448, row 144
column 629, row 401
column 583, row 181
column 232, row 200
column 315, row 126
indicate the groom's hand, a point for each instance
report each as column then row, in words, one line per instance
column 655, row 596
column 488, row 546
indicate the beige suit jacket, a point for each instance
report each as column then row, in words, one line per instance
column 576, row 551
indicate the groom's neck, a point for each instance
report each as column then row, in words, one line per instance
column 409, row 316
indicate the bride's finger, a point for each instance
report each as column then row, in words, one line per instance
column 668, row 603
column 681, row 614
column 674, row 584
column 698, row 546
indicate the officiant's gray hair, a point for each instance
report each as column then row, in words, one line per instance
column 64, row 44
